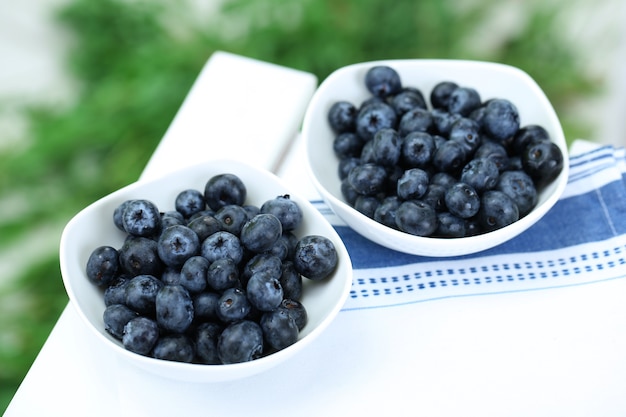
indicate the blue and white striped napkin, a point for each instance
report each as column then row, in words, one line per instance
column 581, row 240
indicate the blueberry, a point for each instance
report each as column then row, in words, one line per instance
column 348, row 192
column 373, row 117
column 494, row 151
column 415, row 120
column 496, row 210
column 174, row 308
column 296, row 310
column 520, row 187
column 463, row 100
column 543, row 161
column 385, row 213
column 115, row 317
column 291, row 281
column 171, row 218
column 177, row 244
column 232, row 217
column 382, row 81
column 141, row 292
column 103, row 265
column 204, row 226
column 366, row 205
column 140, row 335
column 450, row 225
column 444, row 179
column 347, row 144
column 286, row 210
column 206, row 335
column 170, row 276
column 443, row 121
column 240, row 342
column 189, row 202
column 115, row 293
column 193, row 274
column 368, row 179
column 224, row 189
column 222, row 245
column 261, row 232
column 406, row 100
column 140, row 256
column 386, row 147
column 342, row 116
column 175, row 347
column 462, row 200
column 279, row 329
column 418, row 149
column 205, row 306
column 481, row 174
column 529, row 135
column 118, row 212
column 412, row 184
column 315, row 257
column 416, row 217
column 501, row 119
column 345, row 165
column 450, row 157
column 261, row 262
column 233, row 305
column 435, row 197
column 222, row 274
column 440, row 94
column 467, row 133
column 141, row 218
column 264, row 291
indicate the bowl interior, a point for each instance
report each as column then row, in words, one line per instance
column 93, row 227
column 491, row 80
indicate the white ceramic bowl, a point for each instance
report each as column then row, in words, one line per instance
column 491, row 80
column 93, row 227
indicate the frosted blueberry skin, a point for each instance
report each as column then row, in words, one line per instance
column 141, row 292
column 177, row 244
column 296, row 310
column 174, row 308
column 189, row 202
column 205, row 341
column 462, row 200
column 261, row 232
column 264, row 291
column 103, row 266
column 464, row 100
column 140, row 335
column 141, row 218
column 115, row 317
column 279, row 329
column 440, row 94
column 315, row 257
column 175, row 347
column 383, row 81
column 496, row 210
column 481, row 174
column 342, row 116
column 233, row 305
column 222, row 274
column 373, row 117
column 417, row 218
column 222, row 245
column 224, row 189
column 501, row 120
column 193, row 274
column 240, row 342
column 418, row 149
column 520, row 187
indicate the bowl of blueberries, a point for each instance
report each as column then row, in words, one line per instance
column 435, row 157
column 210, row 273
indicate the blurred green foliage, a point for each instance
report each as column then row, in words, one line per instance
column 135, row 61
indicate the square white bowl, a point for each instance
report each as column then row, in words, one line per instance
column 491, row 80
column 94, row 227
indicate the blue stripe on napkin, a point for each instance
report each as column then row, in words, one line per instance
column 581, row 240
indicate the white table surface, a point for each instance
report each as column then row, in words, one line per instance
column 537, row 353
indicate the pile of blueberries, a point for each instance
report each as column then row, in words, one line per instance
column 461, row 167
column 214, row 281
